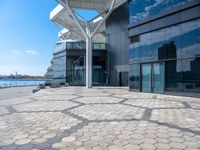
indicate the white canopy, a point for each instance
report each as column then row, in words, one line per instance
column 61, row 16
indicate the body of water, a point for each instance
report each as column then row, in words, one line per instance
column 17, row 83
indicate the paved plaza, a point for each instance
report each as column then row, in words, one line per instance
column 101, row 118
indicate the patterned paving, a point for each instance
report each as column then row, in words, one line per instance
column 97, row 100
column 154, row 103
column 101, row 118
column 108, row 111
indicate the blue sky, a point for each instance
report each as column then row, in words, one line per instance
column 27, row 36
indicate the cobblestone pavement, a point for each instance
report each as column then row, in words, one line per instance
column 101, row 118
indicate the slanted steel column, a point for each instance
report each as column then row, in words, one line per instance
column 88, row 37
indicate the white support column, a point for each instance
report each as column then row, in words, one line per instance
column 88, row 62
column 88, row 57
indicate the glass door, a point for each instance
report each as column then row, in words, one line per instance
column 153, row 78
column 158, row 78
column 146, row 78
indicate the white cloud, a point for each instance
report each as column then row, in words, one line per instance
column 15, row 52
column 33, row 52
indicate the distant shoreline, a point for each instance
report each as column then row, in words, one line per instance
column 19, row 83
column 17, row 86
column 22, row 79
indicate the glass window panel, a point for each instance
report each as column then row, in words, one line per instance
column 173, row 77
column 146, row 78
column 131, row 54
column 190, row 39
column 191, row 74
column 134, row 77
column 158, row 47
column 173, row 42
column 158, row 77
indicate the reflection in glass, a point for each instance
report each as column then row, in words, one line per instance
column 59, row 67
column 191, row 76
column 134, row 77
column 142, row 9
column 158, row 78
column 158, row 45
column 190, row 39
column 146, row 78
column 173, row 78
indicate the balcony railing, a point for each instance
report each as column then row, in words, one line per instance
column 78, row 45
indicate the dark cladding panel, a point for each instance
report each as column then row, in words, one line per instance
column 134, row 31
column 145, row 28
column 172, row 19
column 157, row 24
column 117, row 35
column 190, row 13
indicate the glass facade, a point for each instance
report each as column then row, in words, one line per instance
column 178, row 47
column 69, row 63
column 76, row 70
column 142, row 9
column 59, row 67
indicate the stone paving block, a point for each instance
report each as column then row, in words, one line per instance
column 154, row 103
column 45, row 106
column 147, row 146
column 177, row 145
column 97, row 99
column 107, row 111
column 163, row 146
column 22, row 141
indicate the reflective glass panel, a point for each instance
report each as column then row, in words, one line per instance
column 191, row 74
column 146, row 78
column 142, row 9
column 190, row 39
column 173, row 76
column 134, row 77
column 158, row 77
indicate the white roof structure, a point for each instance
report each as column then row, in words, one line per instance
column 71, row 31
column 76, row 26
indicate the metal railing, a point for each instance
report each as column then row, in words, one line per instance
column 78, row 45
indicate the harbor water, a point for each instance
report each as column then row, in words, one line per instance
column 18, row 83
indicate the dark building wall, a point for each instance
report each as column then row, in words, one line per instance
column 172, row 37
column 117, row 39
